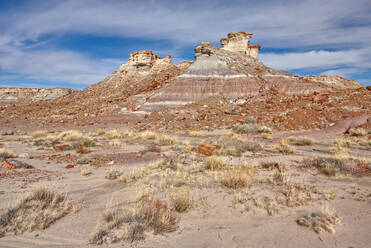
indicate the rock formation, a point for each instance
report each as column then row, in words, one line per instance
column 232, row 71
column 240, row 42
column 32, row 94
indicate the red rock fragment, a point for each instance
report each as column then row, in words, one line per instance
column 70, row 166
column 7, row 165
column 207, row 149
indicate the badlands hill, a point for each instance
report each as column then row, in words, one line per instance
column 147, row 85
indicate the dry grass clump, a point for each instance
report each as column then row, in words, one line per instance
column 163, row 164
column 214, row 163
column 38, row 134
column 320, row 222
column 115, row 143
column 115, row 134
column 359, row 132
column 38, row 210
column 303, row 141
column 282, row 147
column 238, row 176
column 5, row 154
column 235, row 146
column 331, row 166
column 338, row 150
column 364, row 142
column 181, row 200
column 71, row 135
column 165, row 140
column 266, row 136
column 85, row 172
column 132, row 176
column 251, row 129
column 147, row 135
column 196, row 134
column 130, row 224
column 112, row 173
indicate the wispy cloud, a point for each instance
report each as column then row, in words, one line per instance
column 332, row 34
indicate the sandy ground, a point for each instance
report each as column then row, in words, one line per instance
column 218, row 224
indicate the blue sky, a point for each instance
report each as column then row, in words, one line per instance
column 79, row 42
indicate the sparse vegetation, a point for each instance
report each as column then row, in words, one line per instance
column 282, row 147
column 239, row 176
column 251, row 129
column 165, row 140
column 303, row 141
column 359, row 132
column 181, row 200
column 195, row 134
column 5, row 154
column 38, row 210
column 235, row 146
column 148, row 215
column 320, row 222
column 214, row 163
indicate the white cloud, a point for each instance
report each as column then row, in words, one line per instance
column 57, row 65
column 311, row 59
column 314, row 25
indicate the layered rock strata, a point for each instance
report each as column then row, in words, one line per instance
column 227, row 73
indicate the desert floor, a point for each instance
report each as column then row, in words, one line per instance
column 254, row 190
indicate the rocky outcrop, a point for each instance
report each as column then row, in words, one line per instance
column 143, row 61
column 336, row 82
column 32, row 94
column 240, row 42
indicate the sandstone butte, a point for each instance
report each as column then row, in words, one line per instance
column 148, row 83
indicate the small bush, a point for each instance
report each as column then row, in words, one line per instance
column 38, row 210
column 266, row 136
column 112, row 173
column 196, row 134
column 214, row 163
column 148, row 215
column 237, row 177
column 251, row 129
column 359, row 132
column 235, row 146
column 303, row 141
column 283, row 147
column 71, row 135
column 330, row 165
column 5, row 154
column 182, row 201
column 320, row 222
column 164, row 140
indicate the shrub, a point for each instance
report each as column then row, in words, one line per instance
column 5, row 154
column 251, row 129
column 182, row 201
column 164, row 140
column 303, row 141
column 359, row 132
column 235, row 146
column 38, row 210
column 214, row 163
column 237, row 177
column 148, row 215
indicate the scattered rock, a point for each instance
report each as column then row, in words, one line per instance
column 15, row 164
column 207, row 149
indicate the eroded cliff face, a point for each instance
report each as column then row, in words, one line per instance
column 240, row 42
column 32, row 94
